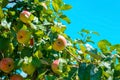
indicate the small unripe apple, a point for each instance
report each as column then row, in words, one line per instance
column 57, row 66
column 28, row 68
column 23, row 36
column 25, row 16
column 7, row 65
column 16, row 77
column 60, row 43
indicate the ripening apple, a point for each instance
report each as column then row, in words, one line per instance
column 7, row 65
column 60, row 43
column 25, row 16
column 57, row 66
column 28, row 68
column 16, row 77
column 23, row 36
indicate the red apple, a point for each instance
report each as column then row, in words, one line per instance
column 25, row 16
column 16, row 77
column 7, row 65
column 23, row 36
column 57, row 66
column 60, row 43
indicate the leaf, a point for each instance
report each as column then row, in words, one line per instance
column 4, row 43
column 96, row 33
column 64, row 17
column 115, row 47
column 50, row 77
column 58, row 29
column 84, row 71
column 26, row 52
column 86, row 31
column 83, row 48
column 36, row 62
column 95, row 56
column 4, row 3
column 96, row 75
column 66, row 7
column 71, row 73
column 55, row 6
column 1, row 14
column 104, row 45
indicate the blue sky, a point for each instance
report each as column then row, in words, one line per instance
column 102, row 16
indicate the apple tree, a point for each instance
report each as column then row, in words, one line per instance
column 34, row 45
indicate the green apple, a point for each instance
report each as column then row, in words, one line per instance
column 28, row 68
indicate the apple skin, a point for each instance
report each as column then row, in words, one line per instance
column 60, row 43
column 25, row 16
column 16, row 77
column 7, row 65
column 23, row 36
column 28, row 68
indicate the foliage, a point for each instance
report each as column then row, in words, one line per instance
column 83, row 62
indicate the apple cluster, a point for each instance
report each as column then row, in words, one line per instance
column 7, row 65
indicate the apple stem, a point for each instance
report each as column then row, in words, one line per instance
column 79, row 60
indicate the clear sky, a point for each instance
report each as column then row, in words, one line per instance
column 102, row 16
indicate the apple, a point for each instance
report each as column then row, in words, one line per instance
column 16, row 77
column 23, row 36
column 28, row 68
column 57, row 65
column 25, row 16
column 7, row 65
column 60, row 43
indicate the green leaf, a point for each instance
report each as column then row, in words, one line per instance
column 81, row 71
column 26, row 52
column 64, row 17
column 58, row 29
column 96, row 75
column 55, row 6
column 1, row 14
column 104, row 45
column 4, row 43
column 96, row 33
column 4, row 3
column 72, row 73
column 115, row 47
column 36, row 62
column 86, row 31
column 50, row 77
column 66, row 7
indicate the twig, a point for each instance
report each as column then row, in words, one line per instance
column 79, row 60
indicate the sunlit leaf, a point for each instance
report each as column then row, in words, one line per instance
column 66, row 7
column 64, row 17
column 55, row 6
column 104, row 45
